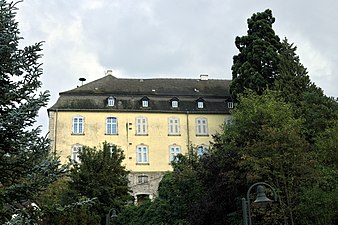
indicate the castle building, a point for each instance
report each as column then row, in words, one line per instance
column 151, row 120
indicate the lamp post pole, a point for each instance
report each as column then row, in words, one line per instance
column 110, row 215
column 260, row 199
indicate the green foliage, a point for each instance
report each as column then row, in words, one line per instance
column 255, row 67
column 25, row 167
column 292, row 80
column 274, row 149
column 100, row 175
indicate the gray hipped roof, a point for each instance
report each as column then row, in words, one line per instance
column 129, row 92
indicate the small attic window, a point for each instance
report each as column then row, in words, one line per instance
column 111, row 101
column 145, row 102
column 200, row 103
column 230, row 105
column 174, row 102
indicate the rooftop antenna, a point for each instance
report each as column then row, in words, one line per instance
column 82, row 79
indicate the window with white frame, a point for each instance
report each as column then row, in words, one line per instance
column 200, row 104
column 201, row 126
column 78, row 125
column 230, row 105
column 202, row 149
column 174, row 103
column 141, row 125
column 111, row 125
column 111, row 101
column 142, row 154
column 145, row 103
column 174, row 151
column 76, row 150
column 173, row 126
column 142, row 179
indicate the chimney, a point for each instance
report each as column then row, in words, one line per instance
column 204, row 77
column 109, row 72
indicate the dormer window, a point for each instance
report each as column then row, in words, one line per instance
column 111, row 101
column 200, row 103
column 174, row 102
column 230, row 105
column 145, row 102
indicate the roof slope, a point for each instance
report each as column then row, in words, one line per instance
column 128, row 93
column 112, row 85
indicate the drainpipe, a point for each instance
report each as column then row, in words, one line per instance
column 55, row 130
column 188, row 132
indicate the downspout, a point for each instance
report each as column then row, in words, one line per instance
column 188, row 133
column 55, row 130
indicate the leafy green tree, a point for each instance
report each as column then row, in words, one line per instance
column 274, row 150
column 100, row 175
column 256, row 65
column 178, row 191
column 25, row 167
column 56, row 211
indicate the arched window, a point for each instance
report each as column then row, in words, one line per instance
column 111, row 101
column 76, row 150
column 145, row 102
column 200, row 103
column 174, row 102
column 202, row 149
column 174, row 151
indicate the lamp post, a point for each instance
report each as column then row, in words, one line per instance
column 260, row 199
column 110, row 215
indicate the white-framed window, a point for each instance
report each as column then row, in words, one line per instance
column 78, row 125
column 201, row 126
column 76, row 150
column 174, row 151
column 173, row 126
column 174, row 103
column 230, row 105
column 142, row 179
column 145, row 103
column 200, row 104
column 141, row 125
column 111, row 125
column 111, row 101
column 202, row 149
column 142, row 154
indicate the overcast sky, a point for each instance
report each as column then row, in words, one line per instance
column 168, row 38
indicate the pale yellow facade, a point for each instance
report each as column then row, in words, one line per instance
column 158, row 138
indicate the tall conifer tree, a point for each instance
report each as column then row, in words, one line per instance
column 255, row 66
column 24, row 165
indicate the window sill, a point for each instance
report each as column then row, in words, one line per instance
column 202, row 135
column 111, row 134
column 77, row 134
column 174, row 134
column 141, row 134
column 142, row 164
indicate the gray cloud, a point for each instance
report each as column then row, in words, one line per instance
column 178, row 38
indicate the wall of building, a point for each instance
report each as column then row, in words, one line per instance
column 158, row 140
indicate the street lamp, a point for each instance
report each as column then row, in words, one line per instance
column 260, row 199
column 111, row 215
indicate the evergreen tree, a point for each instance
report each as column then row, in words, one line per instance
column 255, row 67
column 25, row 167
